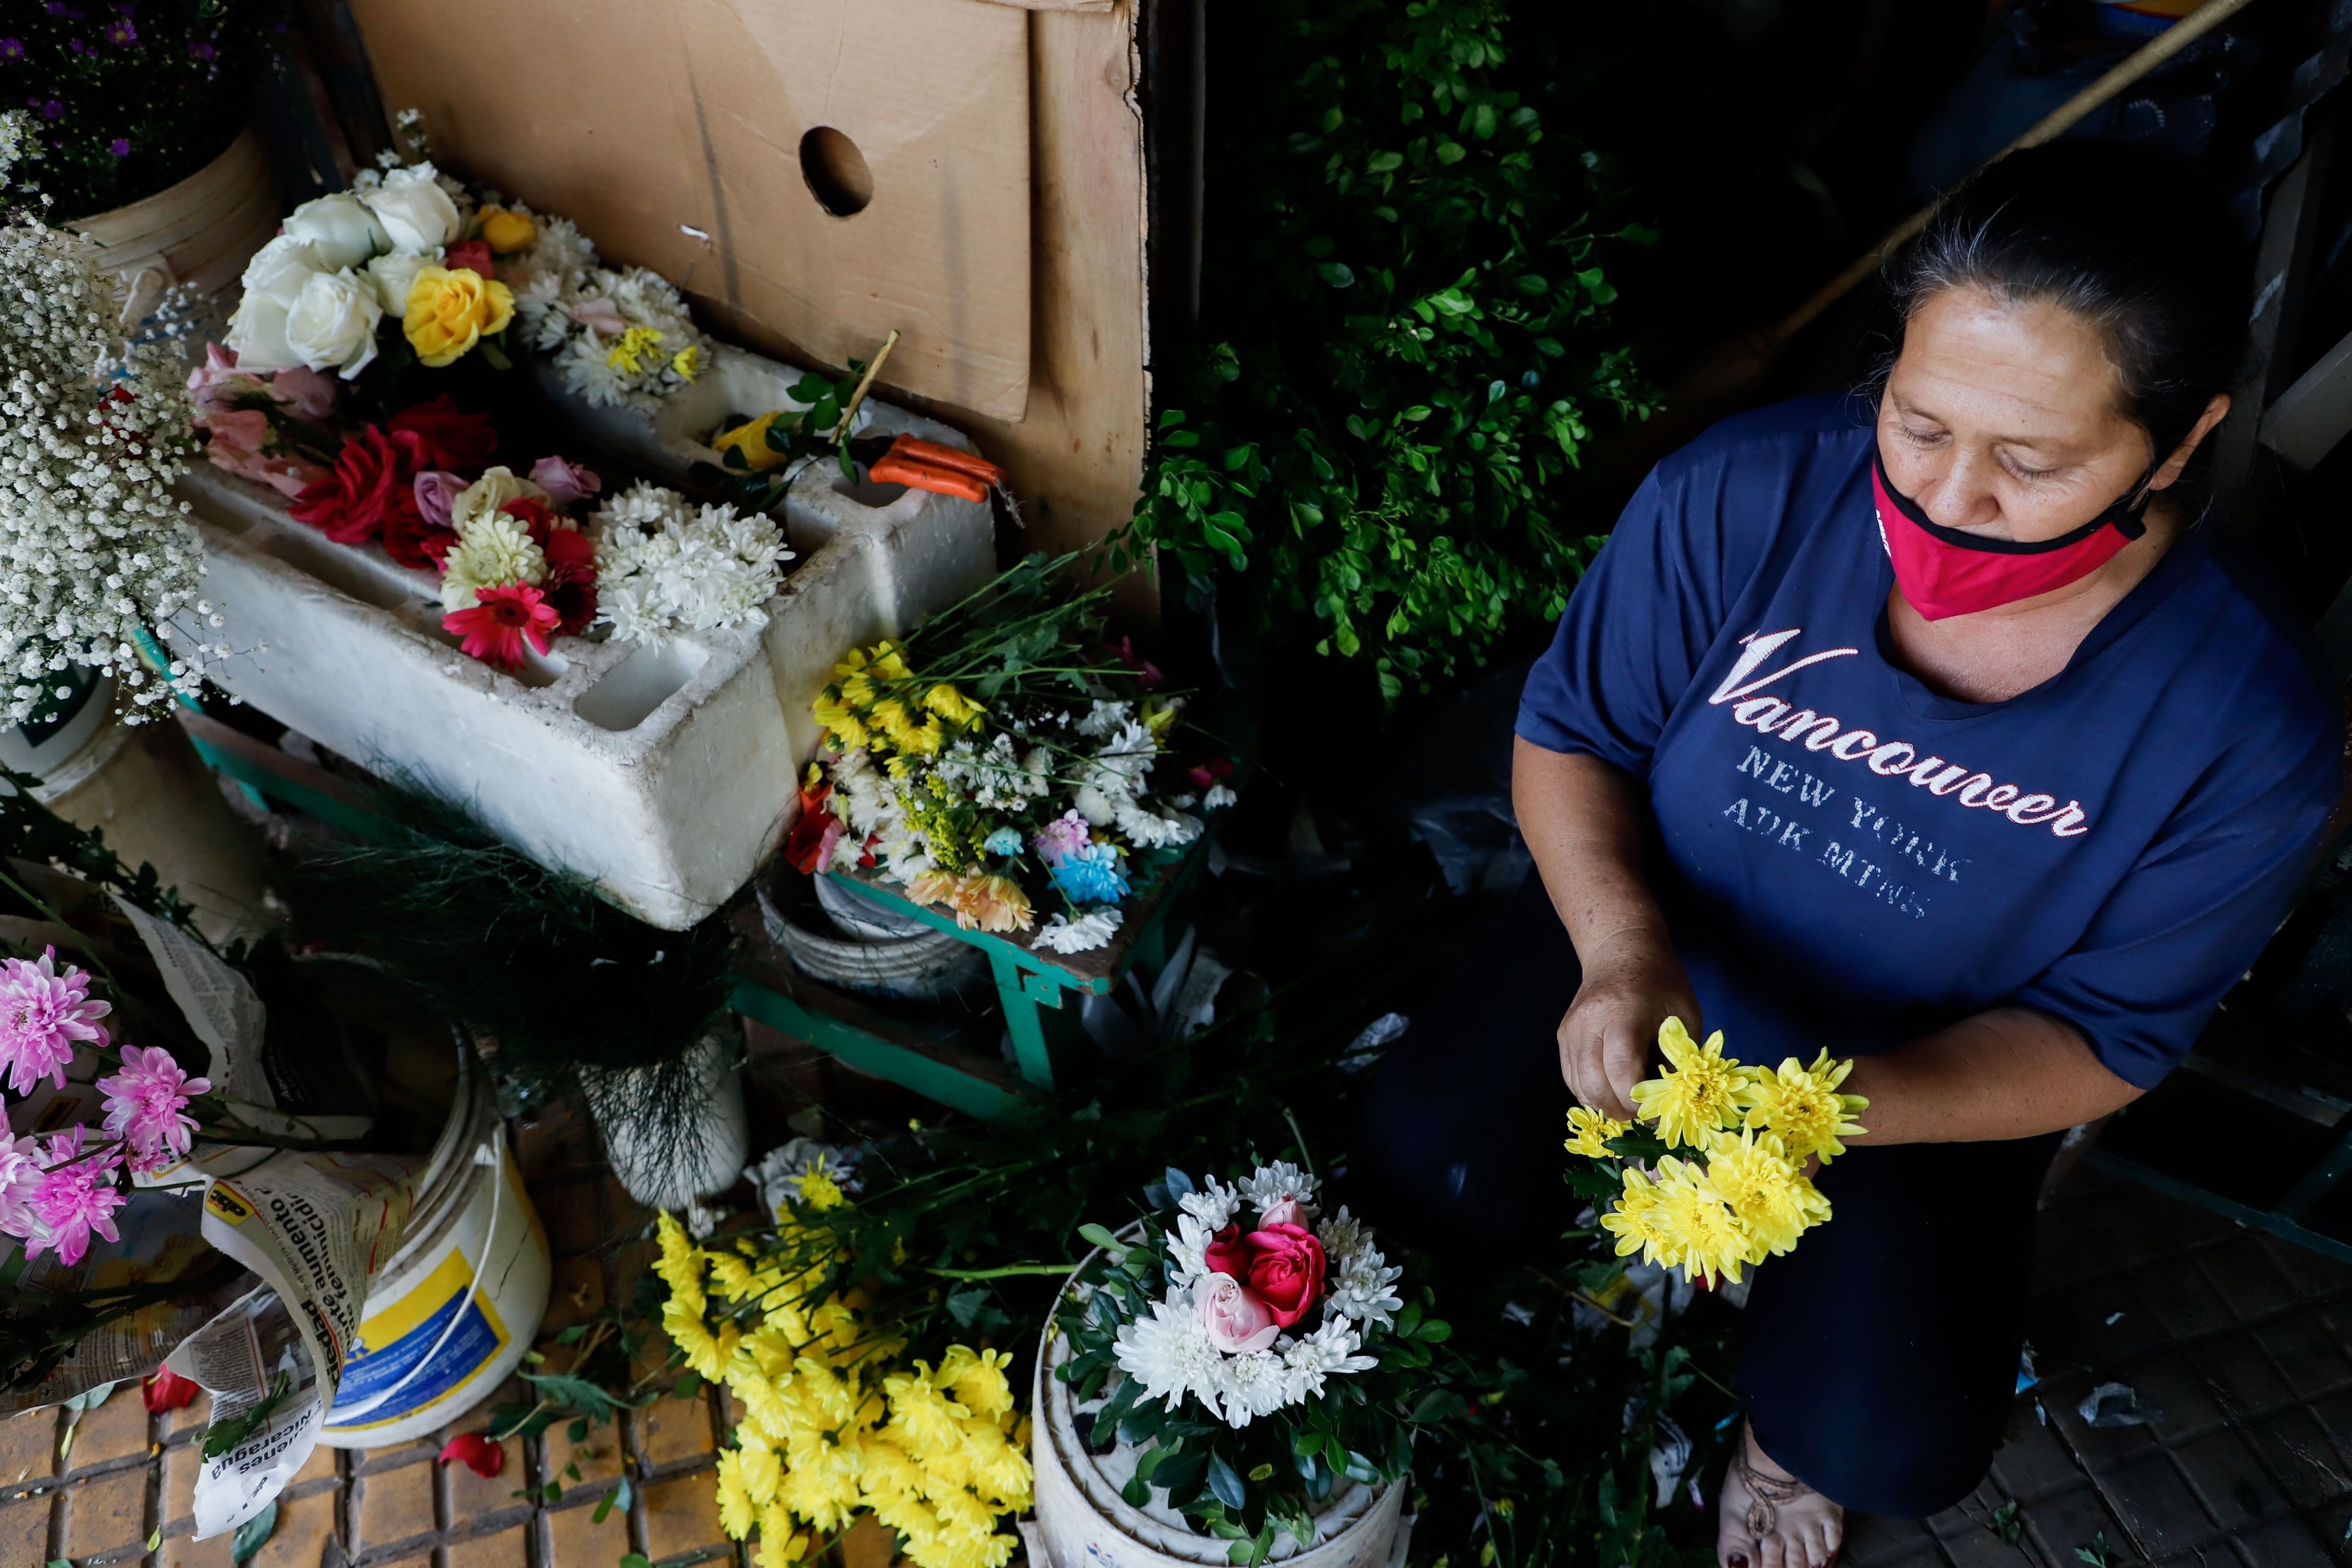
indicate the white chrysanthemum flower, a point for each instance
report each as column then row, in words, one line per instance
column 1083, row 934
column 1169, row 1353
column 561, row 249
column 1149, row 828
column 587, row 376
column 1254, row 1385
column 686, row 568
column 491, row 549
column 1219, row 798
column 1099, row 806
column 1329, row 1351
column 1105, row 718
column 1269, row 1184
column 1363, row 1284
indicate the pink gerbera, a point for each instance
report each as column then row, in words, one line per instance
column 494, row 629
column 43, row 1015
column 145, row 1106
column 77, row 1197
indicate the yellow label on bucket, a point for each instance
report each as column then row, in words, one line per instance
column 393, row 1341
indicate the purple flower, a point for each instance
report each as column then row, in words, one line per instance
column 201, row 51
column 12, row 49
column 436, row 495
column 52, row 110
column 119, row 147
column 20, row 1179
column 58, row 8
column 1063, row 837
column 120, row 33
column 77, row 1197
column 146, row 1104
column 564, row 482
column 43, row 1016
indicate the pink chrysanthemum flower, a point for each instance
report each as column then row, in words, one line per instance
column 20, row 1179
column 43, row 1015
column 1065, row 835
column 77, row 1197
column 145, row 1106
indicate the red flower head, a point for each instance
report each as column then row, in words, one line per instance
column 167, row 1390
column 533, row 514
column 412, row 541
column 810, row 844
column 474, row 256
column 460, row 442
column 372, row 476
column 571, row 568
column 494, row 629
column 1286, row 1271
column 477, row 1453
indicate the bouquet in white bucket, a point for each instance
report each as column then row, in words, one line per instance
column 1256, row 1359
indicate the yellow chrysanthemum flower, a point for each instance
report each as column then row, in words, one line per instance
column 1803, row 1106
column 1697, row 1094
column 1632, row 1220
column 781, row 1545
column 842, row 725
column 686, row 361
column 1589, row 1132
column 1690, row 1210
column 1774, row 1203
column 954, row 707
column 632, row 348
column 890, row 663
column 818, row 1190
column 736, row 1513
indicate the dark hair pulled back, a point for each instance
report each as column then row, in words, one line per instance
column 2133, row 241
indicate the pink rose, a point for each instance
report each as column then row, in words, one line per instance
column 1284, row 1210
column 1286, row 1270
column 436, row 495
column 1237, row 1321
column 306, row 394
column 237, row 441
column 564, row 482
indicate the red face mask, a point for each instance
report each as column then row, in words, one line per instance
column 1943, row 572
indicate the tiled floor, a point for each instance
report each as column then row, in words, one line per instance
column 126, row 1478
column 2238, row 1340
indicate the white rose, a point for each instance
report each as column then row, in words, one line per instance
column 391, row 277
column 416, row 212
column 340, row 228
column 332, row 322
column 484, row 498
column 273, row 280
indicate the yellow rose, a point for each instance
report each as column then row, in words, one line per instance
column 505, row 231
column 449, row 312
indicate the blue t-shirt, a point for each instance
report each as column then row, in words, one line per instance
column 1850, row 860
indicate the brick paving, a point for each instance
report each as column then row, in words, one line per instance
column 2240, row 1341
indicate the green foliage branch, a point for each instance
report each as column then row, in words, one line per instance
column 1411, row 299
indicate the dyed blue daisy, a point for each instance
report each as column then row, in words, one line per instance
column 1091, row 876
column 1004, row 841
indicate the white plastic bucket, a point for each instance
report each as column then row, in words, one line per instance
column 455, row 1308
column 1083, row 1522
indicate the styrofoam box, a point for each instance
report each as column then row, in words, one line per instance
column 663, row 773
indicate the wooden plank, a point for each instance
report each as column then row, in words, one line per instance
column 872, row 1042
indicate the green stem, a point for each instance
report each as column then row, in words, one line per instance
column 1006, row 1272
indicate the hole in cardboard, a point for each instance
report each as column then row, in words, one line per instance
column 836, row 171
column 629, row 691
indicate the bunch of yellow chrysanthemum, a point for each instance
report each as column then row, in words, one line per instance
column 876, row 702
column 1739, row 1194
column 833, row 1425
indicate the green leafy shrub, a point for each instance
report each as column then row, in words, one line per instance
column 1407, row 287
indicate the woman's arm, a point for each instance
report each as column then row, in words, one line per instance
column 2006, row 1072
column 1582, row 820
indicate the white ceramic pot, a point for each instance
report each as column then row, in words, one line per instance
column 145, row 788
column 200, row 232
column 665, row 774
column 660, row 1169
column 1082, row 1521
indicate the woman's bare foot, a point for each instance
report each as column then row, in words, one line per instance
column 1767, row 1518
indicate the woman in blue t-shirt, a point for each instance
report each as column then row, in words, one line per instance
column 1926, row 727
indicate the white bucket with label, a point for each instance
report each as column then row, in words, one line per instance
column 451, row 1312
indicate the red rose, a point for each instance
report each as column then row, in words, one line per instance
column 477, row 1453
column 1227, row 1253
column 167, row 1390
column 460, row 442
column 570, row 584
column 374, row 474
column 474, row 256
column 411, row 540
column 1286, row 1271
